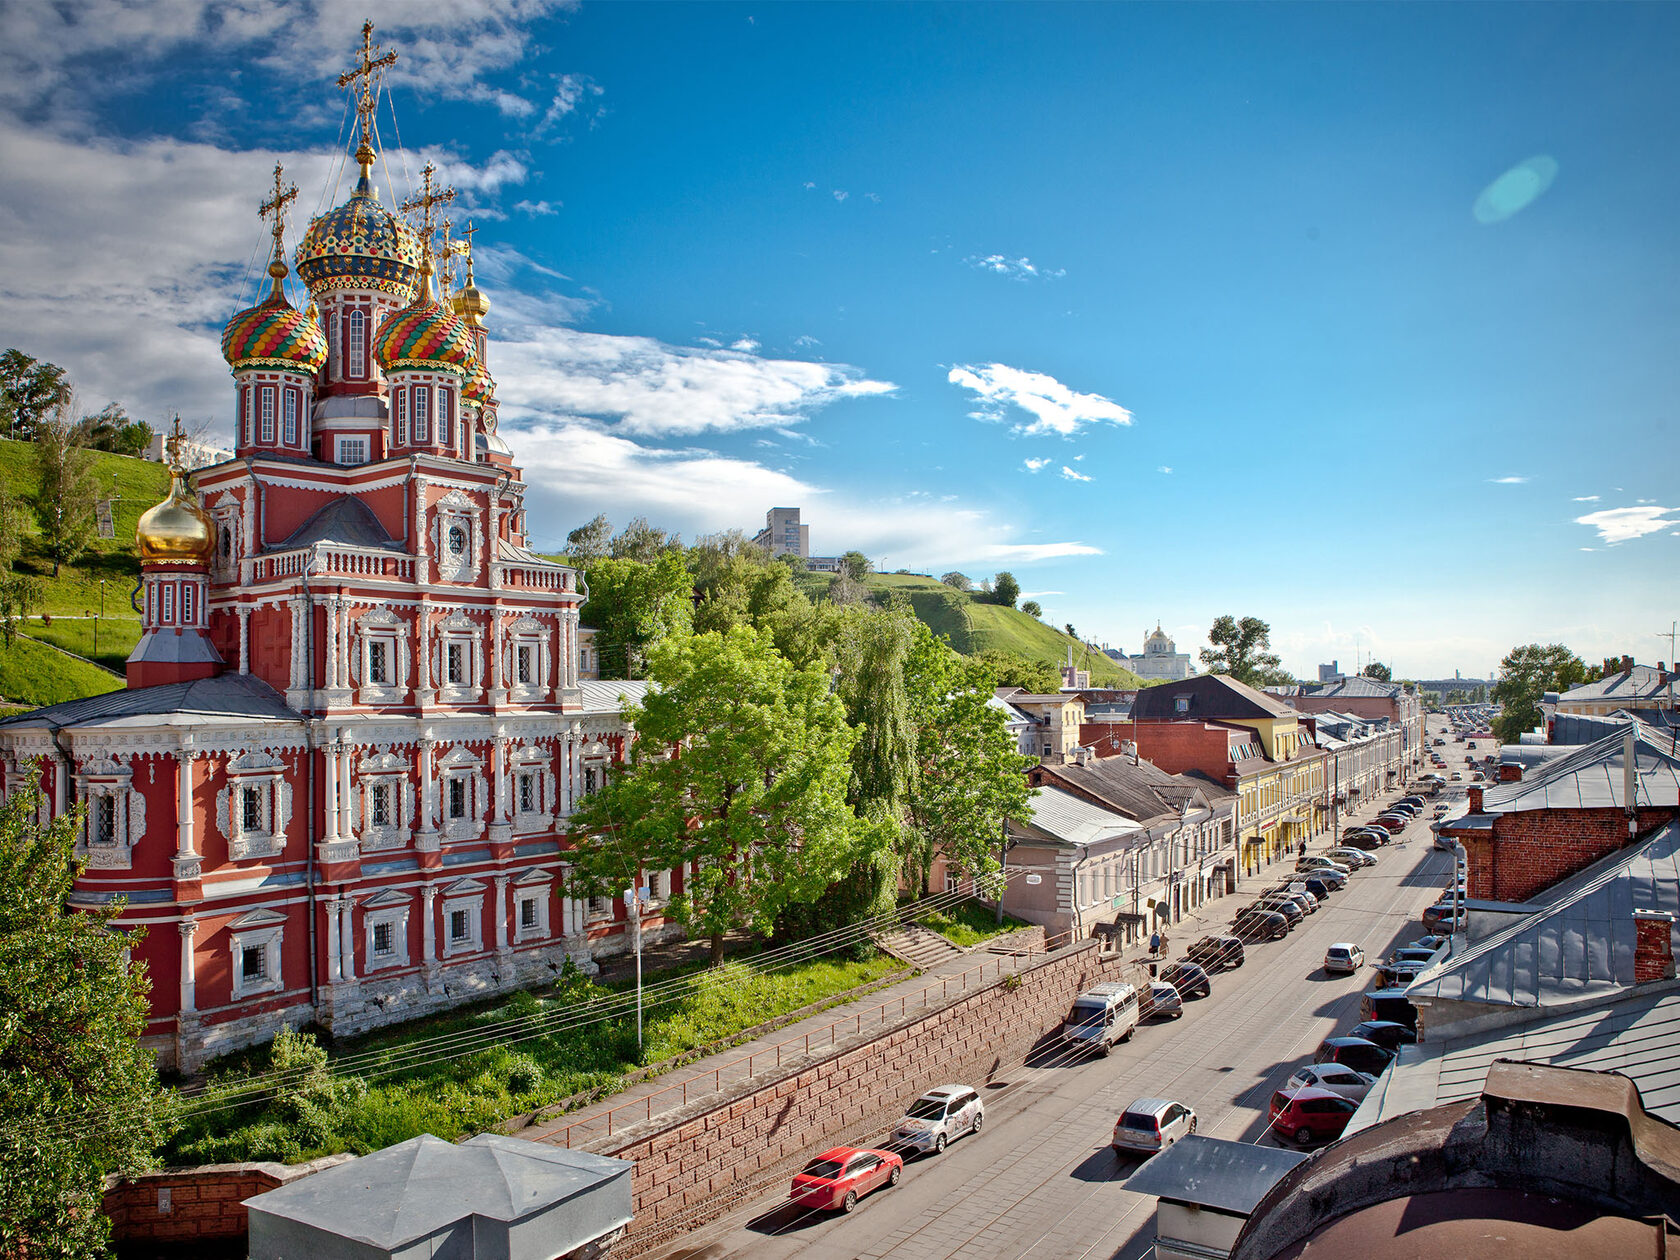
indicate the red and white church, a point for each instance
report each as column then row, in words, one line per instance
column 337, row 787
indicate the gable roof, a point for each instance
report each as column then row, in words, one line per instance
column 1627, row 687
column 1210, row 696
column 1580, row 941
column 1590, row 776
column 224, row 696
column 1141, row 792
column 1357, row 687
column 1066, row 819
column 345, row 520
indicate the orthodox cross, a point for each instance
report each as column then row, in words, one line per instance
column 363, row 75
column 174, row 443
column 446, row 256
column 427, row 198
column 276, row 206
column 465, row 248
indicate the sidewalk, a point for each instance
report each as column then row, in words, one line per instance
column 669, row 1091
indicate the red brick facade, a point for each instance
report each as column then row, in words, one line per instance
column 1653, row 950
column 1528, row 852
column 205, row 1203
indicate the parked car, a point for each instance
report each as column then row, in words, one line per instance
column 1286, row 906
column 1324, row 882
column 1344, row 958
column 1456, row 776
column 1441, row 915
column 1151, row 1125
column 1217, row 953
column 1338, row 1078
column 1385, row 1033
column 1256, row 924
column 1187, row 978
column 1445, row 842
column 1365, row 839
column 838, row 1178
column 1302, row 900
column 1392, row 822
column 1392, row 1007
column 1412, row 954
column 1310, row 1114
column 1404, row 808
column 1430, row 943
column 1313, row 861
column 1351, row 857
column 1101, row 1016
column 939, row 1116
column 1159, row 1000
column 1413, row 799
column 1397, row 975
column 1354, row 1052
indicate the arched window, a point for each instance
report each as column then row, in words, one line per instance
column 333, row 359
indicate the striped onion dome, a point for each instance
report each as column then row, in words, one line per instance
column 480, row 386
column 275, row 334
column 425, row 337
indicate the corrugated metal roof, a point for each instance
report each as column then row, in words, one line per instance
column 1067, row 818
column 602, row 696
column 345, row 520
column 1579, row 943
column 1348, row 688
column 1637, row 1034
column 1629, row 686
column 1590, row 777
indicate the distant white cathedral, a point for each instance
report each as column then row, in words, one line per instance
column 1160, row 659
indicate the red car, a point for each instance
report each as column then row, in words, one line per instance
column 1391, row 823
column 837, row 1179
column 1310, row 1114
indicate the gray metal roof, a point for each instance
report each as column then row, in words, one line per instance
column 1579, row 942
column 1208, row 696
column 1214, row 1173
column 1347, row 688
column 345, row 520
column 226, row 695
column 1628, row 687
column 1590, row 777
column 425, row 1188
column 603, row 696
column 1636, row 1034
column 1063, row 817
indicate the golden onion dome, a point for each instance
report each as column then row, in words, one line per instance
column 471, row 304
column 176, row 531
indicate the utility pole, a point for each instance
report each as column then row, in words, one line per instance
column 1672, row 634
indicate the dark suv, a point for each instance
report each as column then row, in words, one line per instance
column 1254, row 925
column 1217, row 953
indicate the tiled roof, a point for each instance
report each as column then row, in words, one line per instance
column 1578, row 943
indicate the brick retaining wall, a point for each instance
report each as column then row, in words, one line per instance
column 206, row 1202
column 698, row 1163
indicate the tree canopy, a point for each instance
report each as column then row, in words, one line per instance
column 79, row 1093
column 632, row 605
column 1242, row 650
column 1032, row 608
column 29, row 391
column 741, row 766
column 1377, row 671
column 1005, row 589
column 589, row 542
column 957, row 580
column 1525, row 675
column 64, row 486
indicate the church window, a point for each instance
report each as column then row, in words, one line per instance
column 333, row 359
column 227, row 543
column 591, row 780
column 267, row 428
column 384, row 940
column 422, row 412
column 401, row 405
column 251, row 809
column 104, row 819
column 379, row 662
column 446, row 417
column 525, row 668
column 168, row 617
column 527, row 914
column 382, row 815
column 253, row 964
column 455, row 664
column 599, row 908
column 358, row 345
column 460, row 926
column 457, row 538
column 527, row 793
column 245, row 413
column 289, row 429
column 457, row 798
column 352, row 450
column 186, row 604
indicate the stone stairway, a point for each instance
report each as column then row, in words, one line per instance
column 922, row 947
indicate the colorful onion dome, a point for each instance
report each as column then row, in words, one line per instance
column 176, row 531
column 480, row 386
column 360, row 245
column 425, row 337
column 274, row 334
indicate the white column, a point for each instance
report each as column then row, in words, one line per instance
column 347, row 936
column 189, row 970
column 297, row 607
column 495, row 637
column 329, row 789
column 184, row 804
column 499, row 757
column 428, row 930
column 244, row 638
column 346, row 808
column 335, row 971
column 422, row 647
column 343, row 680
column 428, row 784
column 499, row 902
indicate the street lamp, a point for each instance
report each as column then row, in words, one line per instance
column 96, row 620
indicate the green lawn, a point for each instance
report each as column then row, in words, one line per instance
column 33, row 674
column 110, row 646
column 968, row 923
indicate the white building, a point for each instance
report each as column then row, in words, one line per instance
column 1160, row 659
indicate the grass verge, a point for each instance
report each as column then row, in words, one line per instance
column 968, row 923
column 33, row 674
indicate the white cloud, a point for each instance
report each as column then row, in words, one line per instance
column 573, row 94
column 1165, row 468
column 648, row 387
column 840, row 194
column 1586, row 498
column 746, row 345
column 1069, row 475
column 804, row 342
column 810, row 183
column 1054, row 407
column 1507, row 481
column 1616, row 525
column 1013, row 268
column 1033, row 465
column 875, row 197
column 537, row 209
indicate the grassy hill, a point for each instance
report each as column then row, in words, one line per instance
column 34, row 674
column 975, row 627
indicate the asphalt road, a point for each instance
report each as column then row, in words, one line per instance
column 1041, row 1180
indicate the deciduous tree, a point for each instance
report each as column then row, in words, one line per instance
column 855, row 565
column 589, row 542
column 1378, row 672
column 64, row 486
column 1241, row 649
column 640, row 541
column 740, row 766
column 29, row 390
column 633, row 605
column 1032, row 608
column 958, row 580
column 1525, row 675
column 78, row 1091
column 1005, row 589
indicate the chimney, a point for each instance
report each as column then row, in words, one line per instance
column 1128, row 748
column 1627, row 664
column 1653, row 947
column 1476, row 798
column 1510, row 771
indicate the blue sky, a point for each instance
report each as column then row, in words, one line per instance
column 1173, row 311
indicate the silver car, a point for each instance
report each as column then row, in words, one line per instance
column 1335, row 1077
column 1152, row 1124
column 940, row 1116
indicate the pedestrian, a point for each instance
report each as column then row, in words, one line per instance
column 1303, row 848
column 1155, row 943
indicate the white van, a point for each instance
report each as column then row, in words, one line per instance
column 1101, row 1017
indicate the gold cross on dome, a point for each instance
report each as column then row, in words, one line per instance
column 364, row 74
column 173, row 444
column 276, row 205
column 465, row 248
column 447, row 250
column 425, row 200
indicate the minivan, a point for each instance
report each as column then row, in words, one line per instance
column 1102, row 1016
column 1392, row 1007
column 1152, row 1124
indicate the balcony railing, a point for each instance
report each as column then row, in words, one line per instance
column 325, row 560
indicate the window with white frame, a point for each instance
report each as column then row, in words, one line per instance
column 168, row 617
column 530, row 792
column 385, row 928
column 527, row 660
column 598, row 907
column 115, row 816
column 533, row 787
column 267, row 426
column 459, row 658
column 352, row 450
column 463, row 918
column 953, row 881
column 289, row 426
column 247, row 411
column 358, row 345
column 379, row 663
column 445, row 416
column 399, row 409
column 255, row 806
column 455, row 663
column 422, row 403
column 254, row 948
column 456, row 537
column 333, row 357
column 387, row 801
column 659, row 887
column 464, row 792
column 532, row 894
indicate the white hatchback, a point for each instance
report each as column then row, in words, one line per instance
column 1344, row 957
column 1338, row 1078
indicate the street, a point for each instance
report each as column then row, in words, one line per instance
column 1041, row 1180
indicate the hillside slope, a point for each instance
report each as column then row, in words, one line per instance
column 975, row 627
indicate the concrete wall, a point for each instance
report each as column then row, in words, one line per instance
column 700, row 1163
